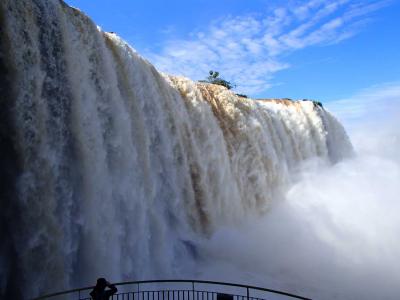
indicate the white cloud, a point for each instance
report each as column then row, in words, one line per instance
column 371, row 105
column 249, row 49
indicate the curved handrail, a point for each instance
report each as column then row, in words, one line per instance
column 181, row 281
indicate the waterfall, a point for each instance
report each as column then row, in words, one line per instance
column 110, row 168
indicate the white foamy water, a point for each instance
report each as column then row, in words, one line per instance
column 119, row 171
column 335, row 236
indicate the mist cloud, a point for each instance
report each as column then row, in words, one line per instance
column 336, row 234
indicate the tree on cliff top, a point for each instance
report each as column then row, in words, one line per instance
column 215, row 79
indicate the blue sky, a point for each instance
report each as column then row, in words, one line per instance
column 316, row 49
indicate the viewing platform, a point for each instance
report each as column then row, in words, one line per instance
column 178, row 290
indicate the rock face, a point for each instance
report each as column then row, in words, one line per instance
column 110, row 169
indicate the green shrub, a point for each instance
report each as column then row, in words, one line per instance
column 215, row 79
column 316, row 103
column 241, row 95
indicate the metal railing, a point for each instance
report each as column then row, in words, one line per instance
column 179, row 290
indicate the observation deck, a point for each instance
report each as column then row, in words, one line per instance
column 178, row 290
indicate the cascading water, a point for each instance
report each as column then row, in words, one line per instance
column 110, row 168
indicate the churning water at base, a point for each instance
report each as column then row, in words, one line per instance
column 334, row 237
column 109, row 168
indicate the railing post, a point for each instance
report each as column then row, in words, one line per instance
column 247, row 289
column 193, row 289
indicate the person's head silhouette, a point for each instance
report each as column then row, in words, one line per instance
column 101, row 283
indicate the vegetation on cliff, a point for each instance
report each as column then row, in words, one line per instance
column 215, row 79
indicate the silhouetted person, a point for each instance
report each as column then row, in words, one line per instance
column 100, row 293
